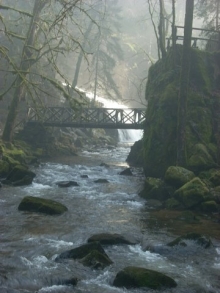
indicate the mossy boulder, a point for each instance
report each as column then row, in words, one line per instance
column 201, row 158
column 209, row 207
column 126, row 172
column 215, row 177
column 82, row 251
column 196, row 237
column 178, row 176
column 4, row 168
column 96, row 260
column 20, row 175
column 109, row 239
column 173, row 204
column 136, row 277
column 155, row 188
column 41, row 205
column 192, row 193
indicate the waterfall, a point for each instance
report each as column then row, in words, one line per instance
column 124, row 135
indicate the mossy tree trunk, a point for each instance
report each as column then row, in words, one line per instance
column 23, row 70
column 184, row 81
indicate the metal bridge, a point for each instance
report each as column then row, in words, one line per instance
column 113, row 118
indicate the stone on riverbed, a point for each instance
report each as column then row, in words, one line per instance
column 81, row 251
column 196, row 237
column 41, row 205
column 101, row 181
column 109, row 239
column 96, row 260
column 67, row 183
column 136, row 277
column 19, row 176
column 126, row 172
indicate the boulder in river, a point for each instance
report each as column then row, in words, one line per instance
column 20, row 175
column 41, row 205
column 96, row 260
column 81, row 251
column 101, row 181
column 67, row 183
column 136, row 277
column 196, row 237
column 126, row 172
column 109, row 239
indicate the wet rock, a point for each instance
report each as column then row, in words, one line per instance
column 84, row 176
column 26, row 180
column 126, row 172
column 20, row 175
column 41, row 205
column 178, row 176
column 155, row 188
column 67, row 183
column 198, row 238
column 101, row 181
column 4, row 168
column 96, row 260
column 136, row 277
column 67, row 282
column 81, row 251
column 209, row 207
column 109, row 239
column 192, row 193
column 104, row 165
column 136, row 157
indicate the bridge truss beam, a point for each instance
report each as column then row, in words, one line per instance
column 114, row 118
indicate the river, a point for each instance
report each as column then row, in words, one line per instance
column 30, row 242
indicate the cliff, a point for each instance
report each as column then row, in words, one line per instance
column 203, row 113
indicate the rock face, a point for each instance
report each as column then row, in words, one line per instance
column 135, row 157
column 178, row 176
column 203, row 122
column 41, row 205
column 135, row 277
column 109, row 239
column 192, row 193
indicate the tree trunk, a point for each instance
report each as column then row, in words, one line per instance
column 25, row 65
column 79, row 61
column 184, row 81
column 161, row 29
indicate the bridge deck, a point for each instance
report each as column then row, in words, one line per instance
column 113, row 118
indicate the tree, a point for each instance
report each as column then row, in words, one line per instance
column 209, row 11
column 184, row 81
column 47, row 38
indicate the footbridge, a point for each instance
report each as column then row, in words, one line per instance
column 111, row 118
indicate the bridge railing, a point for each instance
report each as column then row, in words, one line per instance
column 88, row 117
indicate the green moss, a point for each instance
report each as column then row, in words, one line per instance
column 135, row 277
column 178, row 176
column 161, row 115
column 192, row 193
column 4, row 168
column 173, row 204
column 201, row 158
column 209, row 207
column 41, row 205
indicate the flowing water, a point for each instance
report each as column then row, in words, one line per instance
column 30, row 242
